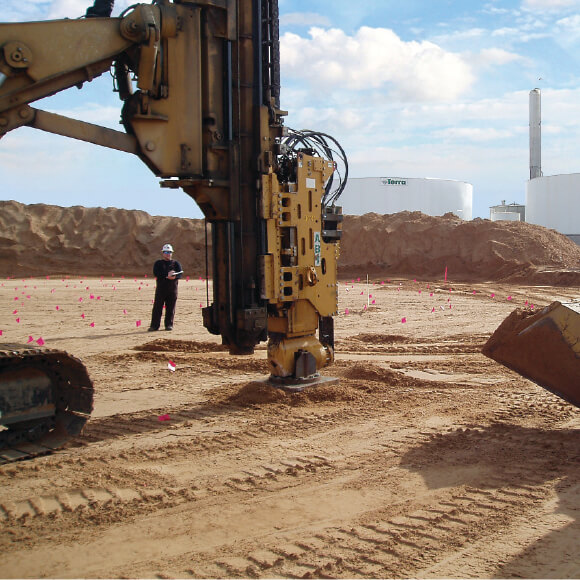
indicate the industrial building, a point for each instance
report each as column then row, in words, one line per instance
column 513, row 212
column 551, row 201
column 386, row 195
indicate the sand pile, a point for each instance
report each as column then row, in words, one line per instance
column 46, row 239
column 43, row 239
column 414, row 244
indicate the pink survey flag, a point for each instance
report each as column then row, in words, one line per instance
column 138, row 323
column 30, row 339
column 403, row 320
column 40, row 341
column 171, row 366
column 15, row 312
column 509, row 297
column 445, row 273
column 58, row 307
column 164, row 417
column 83, row 315
column 92, row 325
column 18, row 320
column 346, row 311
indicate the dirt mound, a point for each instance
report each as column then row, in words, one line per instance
column 47, row 239
column 414, row 244
column 168, row 345
column 42, row 239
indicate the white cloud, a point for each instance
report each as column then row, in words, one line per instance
column 474, row 134
column 304, row 19
column 375, row 58
column 568, row 30
column 550, row 5
column 498, row 56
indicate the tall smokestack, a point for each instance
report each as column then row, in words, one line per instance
column 535, row 133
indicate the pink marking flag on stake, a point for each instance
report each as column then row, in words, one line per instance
column 445, row 273
column 403, row 320
column 92, row 325
column 164, row 417
column 40, row 341
column 346, row 311
column 83, row 315
column 1, row 332
column 138, row 323
column 30, row 339
column 171, row 366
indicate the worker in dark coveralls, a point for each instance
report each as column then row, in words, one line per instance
column 168, row 272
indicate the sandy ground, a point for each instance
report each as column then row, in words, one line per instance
column 427, row 460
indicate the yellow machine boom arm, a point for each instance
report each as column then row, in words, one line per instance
column 200, row 85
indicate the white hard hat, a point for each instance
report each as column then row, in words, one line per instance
column 167, row 248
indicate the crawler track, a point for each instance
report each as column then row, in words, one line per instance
column 46, row 397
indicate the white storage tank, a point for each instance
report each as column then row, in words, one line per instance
column 553, row 201
column 385, row 195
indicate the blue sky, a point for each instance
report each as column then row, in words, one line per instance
column 421, row 88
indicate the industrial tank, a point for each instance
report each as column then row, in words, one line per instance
column 553, row 201
column 385, row 195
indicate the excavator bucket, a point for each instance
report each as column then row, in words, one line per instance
column 543, row 347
